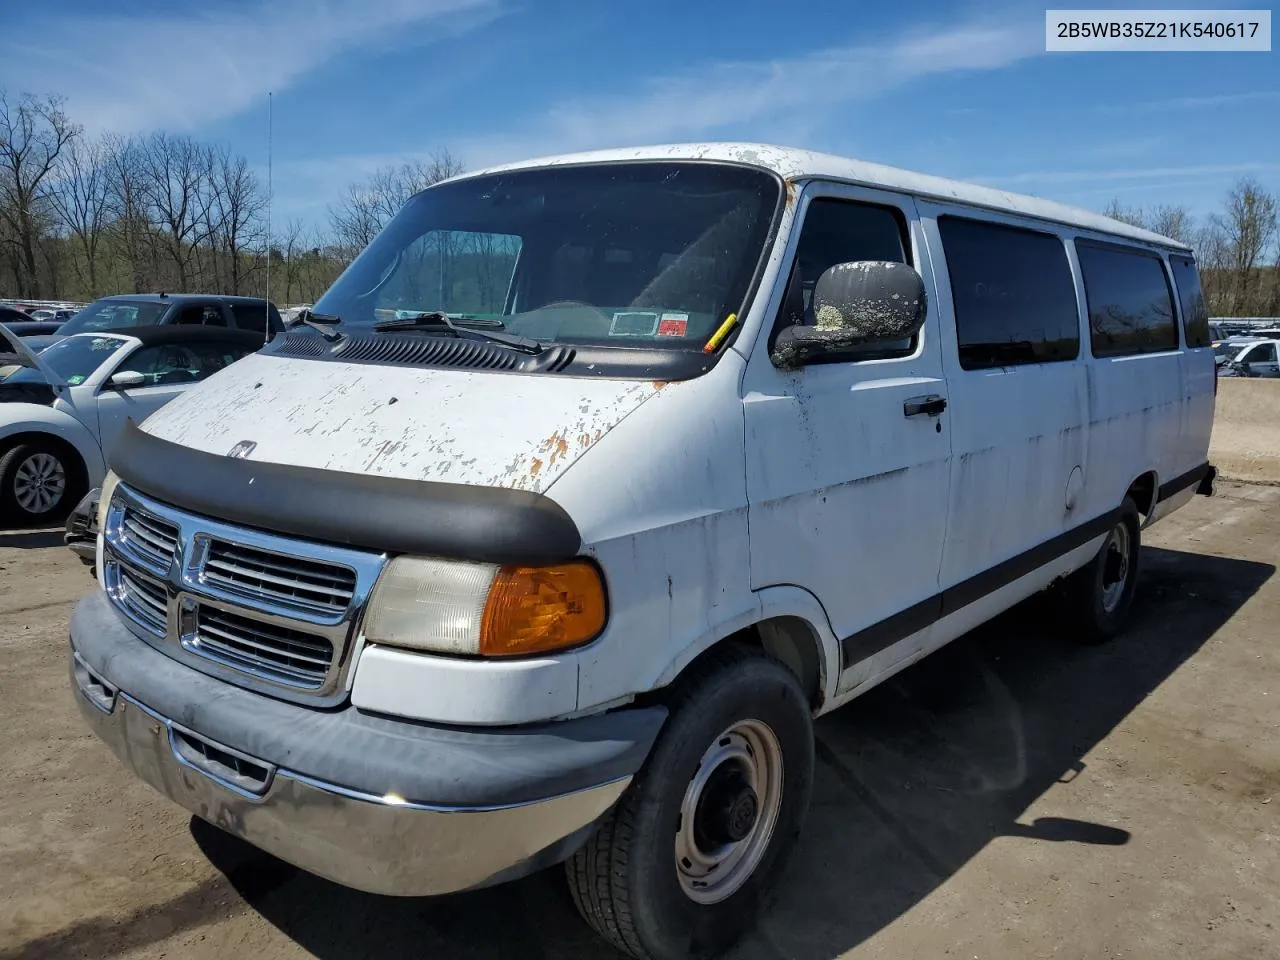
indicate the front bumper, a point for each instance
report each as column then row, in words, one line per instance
column 398, row 808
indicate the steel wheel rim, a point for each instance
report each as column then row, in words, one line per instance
column 712, row 872
column 39, row 483
column 1115, row 567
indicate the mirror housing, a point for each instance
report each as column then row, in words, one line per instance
column 855, row 304
column 125, row 379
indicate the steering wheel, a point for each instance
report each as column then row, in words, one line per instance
column 576, row 305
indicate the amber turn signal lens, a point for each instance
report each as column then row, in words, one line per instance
column 538, row 609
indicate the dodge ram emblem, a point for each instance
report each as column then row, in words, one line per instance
column 241, row 449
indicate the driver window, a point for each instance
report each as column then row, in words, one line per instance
column 842, row 231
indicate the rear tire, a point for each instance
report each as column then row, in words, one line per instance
column 684, row 862
column 40, row 483
column 1097, row 597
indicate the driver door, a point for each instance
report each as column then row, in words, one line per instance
column 169, row 370
column 848, row 471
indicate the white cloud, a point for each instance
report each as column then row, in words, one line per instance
column 1129, row 174
column 755, row 96
column 181, row 70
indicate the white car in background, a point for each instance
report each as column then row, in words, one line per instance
column 1256, row 358
column 62, row 409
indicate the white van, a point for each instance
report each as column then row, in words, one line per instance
column 594, row 480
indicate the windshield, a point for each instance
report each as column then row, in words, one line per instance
column 1234, row 350
column 632, row 255
column 114, row 315
column 74, row 359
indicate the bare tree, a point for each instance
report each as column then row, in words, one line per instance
column 368, row 205
column 1173, row 222
column 1130, row 215
column 131, row 224
column 1248, row 226
column 236, row 204
column 172, row 176
column 82, row 199
column 33, row 133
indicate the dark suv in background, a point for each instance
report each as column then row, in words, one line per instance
column 154, row 309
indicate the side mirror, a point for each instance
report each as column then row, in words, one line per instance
column 126, row 379
column 855, row 304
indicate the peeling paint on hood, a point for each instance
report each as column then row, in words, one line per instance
column 453, row 426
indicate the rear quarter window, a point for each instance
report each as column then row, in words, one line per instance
column 1130, row 304
column 1195, row 312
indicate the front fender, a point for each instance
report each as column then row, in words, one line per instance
column 31, row 419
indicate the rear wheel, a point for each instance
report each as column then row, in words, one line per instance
column 1098, row 595
column 39, row 483
column 684, row 862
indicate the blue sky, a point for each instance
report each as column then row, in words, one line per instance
column 957, row 89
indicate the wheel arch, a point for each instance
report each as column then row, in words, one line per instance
column 793, row 627
column 74, row 452
column 1144, row 491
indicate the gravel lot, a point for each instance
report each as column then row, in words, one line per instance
column 1010, row 797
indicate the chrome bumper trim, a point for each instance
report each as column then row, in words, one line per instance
column 380, row 844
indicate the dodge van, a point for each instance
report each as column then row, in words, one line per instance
column 592, row 481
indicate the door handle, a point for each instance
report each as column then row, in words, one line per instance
column 932, row 405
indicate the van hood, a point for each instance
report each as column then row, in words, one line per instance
column 520, row 431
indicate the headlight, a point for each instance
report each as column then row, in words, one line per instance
column 480, row 609
column 109, row 484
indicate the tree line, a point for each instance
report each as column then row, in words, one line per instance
column 1237, row 248
column 82, row 216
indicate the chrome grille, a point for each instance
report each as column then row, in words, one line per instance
column 289, row 656
column 292, row 580
column 269, row 612
column 146, row 600
column 152, row 539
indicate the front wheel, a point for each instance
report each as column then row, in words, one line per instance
column 683, row 863
column 39, row 483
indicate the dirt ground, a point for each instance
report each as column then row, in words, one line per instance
column 1010, row 797
column 1246, row 430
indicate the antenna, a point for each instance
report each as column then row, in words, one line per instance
column 266, row 326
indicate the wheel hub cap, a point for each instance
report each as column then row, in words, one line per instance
column 39, row 483
column 729, row 811
column 728, row 808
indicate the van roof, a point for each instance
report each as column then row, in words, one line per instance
column 794, row 165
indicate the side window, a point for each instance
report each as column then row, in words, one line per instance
column 843, row 231
column 1130, row 306
column 250, row 316
column 182, row 363
column 1015, row 300
column 1263, row 353
column 1195, row 313
column 208, row 314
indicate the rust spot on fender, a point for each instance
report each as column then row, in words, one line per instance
column 557, row 446
column 659, row 384
column 534, row 466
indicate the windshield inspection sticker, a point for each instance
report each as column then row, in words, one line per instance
column 75, row 379
column 673, row 325
column 633, row 323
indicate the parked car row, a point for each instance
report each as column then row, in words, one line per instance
column 62, row 409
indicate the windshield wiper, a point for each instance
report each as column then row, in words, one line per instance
column 462, row 327
column 322, row 324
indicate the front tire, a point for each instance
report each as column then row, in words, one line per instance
column 682, row 865
column 39, row 483
column 1099, row 594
